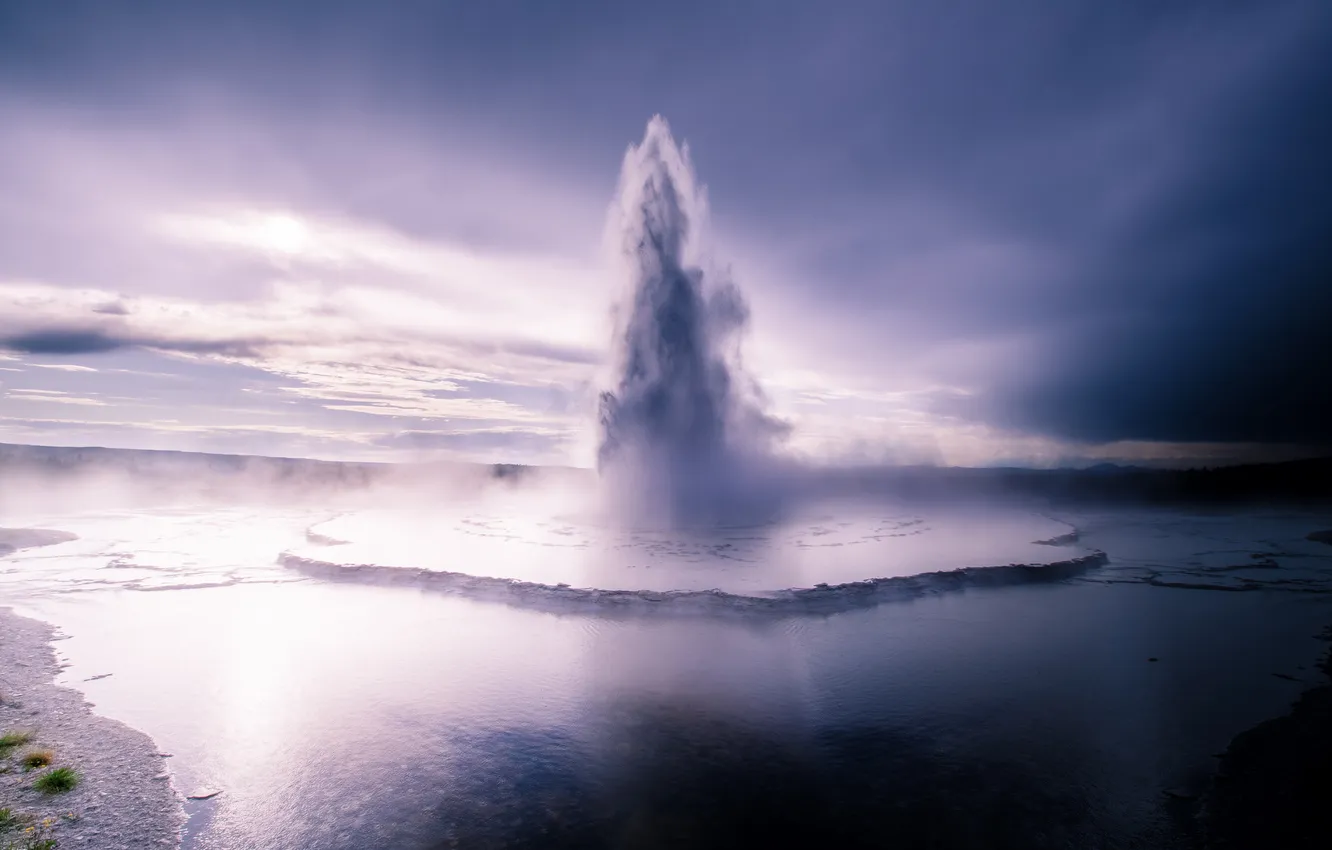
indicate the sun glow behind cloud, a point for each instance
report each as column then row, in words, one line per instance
column 285, row 234
column 275, row 234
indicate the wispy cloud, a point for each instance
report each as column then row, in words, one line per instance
column 52, row 396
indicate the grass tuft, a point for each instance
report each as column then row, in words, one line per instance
column 34, row 759
column 56, row 781
column 7, row 819
column 10, row 740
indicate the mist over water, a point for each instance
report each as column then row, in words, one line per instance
column 684, row 437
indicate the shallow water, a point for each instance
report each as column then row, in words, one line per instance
column 337, row 715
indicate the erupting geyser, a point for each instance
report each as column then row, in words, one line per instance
column 684, row 438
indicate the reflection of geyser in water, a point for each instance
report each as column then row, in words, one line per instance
column 684, row 439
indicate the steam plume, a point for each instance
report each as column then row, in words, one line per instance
column 683, row 434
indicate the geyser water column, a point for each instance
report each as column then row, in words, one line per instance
column 684, row 438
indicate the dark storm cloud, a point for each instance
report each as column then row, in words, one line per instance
column 1204, row 316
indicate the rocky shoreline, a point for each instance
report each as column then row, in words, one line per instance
column 122, row 799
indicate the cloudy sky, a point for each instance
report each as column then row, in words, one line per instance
column 970, row 232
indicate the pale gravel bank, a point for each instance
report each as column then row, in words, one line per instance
column 122, row 800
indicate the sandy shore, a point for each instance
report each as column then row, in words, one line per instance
column 123, row 798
